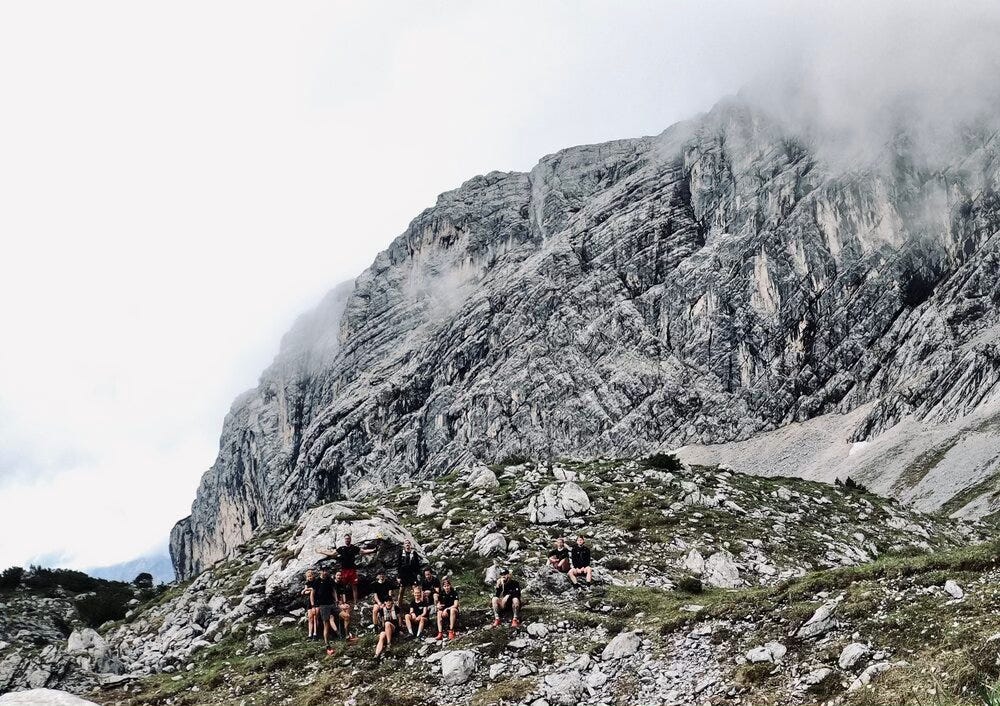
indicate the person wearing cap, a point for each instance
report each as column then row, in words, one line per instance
column 508, row 593
column 348, row 555
column 447, row 609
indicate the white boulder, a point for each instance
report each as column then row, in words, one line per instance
column 457, row 666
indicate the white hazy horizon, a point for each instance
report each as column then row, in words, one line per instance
column 179, row 182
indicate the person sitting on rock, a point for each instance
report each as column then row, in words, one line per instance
column 418, row 613
column 343, row 591
column 325, row 598
column 559, row 556
column 579, row 556
column 508, row 593
column 389, row 622
column 407, row 568
column 311, row 612
column 381, row 590
column 430, row 583
column 447, row 609
column 348, row 555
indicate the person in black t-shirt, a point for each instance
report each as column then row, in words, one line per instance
column 419, row 612
column 559, row 556
column 408, row 568
column 508, row 593
column 325, row 596
column 579, row 556
column 311, row 612
column 348, row 555
column 381, row 590
column 388, row 618
column 447, row 607
column 430, row 582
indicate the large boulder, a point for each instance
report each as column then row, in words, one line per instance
column 564, row 688
column 822, row 621
column 557, row 502
column 425, row 505
column 323, row 528
column 721, row 571
column 482, row 477
column 458, row 666
column 92, row 652
column 624, row 644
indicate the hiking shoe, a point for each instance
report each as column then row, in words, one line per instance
column 329, row 652
column 496, row 623
column 515, row 623
column 440, row 636
column 451, row 634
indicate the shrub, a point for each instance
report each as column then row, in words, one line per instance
column 662, row 462
column 11, row 577
column 143, row 580
column 617, row 563
column 513, row 460
column 689, row 584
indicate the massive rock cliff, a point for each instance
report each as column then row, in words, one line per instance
column 700, row 287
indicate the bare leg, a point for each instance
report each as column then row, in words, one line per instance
column 515, row 605
column 454, row 617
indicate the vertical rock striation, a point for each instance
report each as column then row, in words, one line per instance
column 702, row 286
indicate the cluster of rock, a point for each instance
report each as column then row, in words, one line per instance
column 697, row 287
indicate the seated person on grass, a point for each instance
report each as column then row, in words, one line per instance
column 507, row 594
column 429, row 582
column 559, row 556
column 418, row 613
column 447, row 607
column 343, row 604
column 579, row 556
column 382, row 589
column 389, row 622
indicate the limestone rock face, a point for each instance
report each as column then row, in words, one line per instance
column 706, row 285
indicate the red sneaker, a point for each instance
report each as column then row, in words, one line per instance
column 440, row 636
column 496, row 623
column 329, row 652
column 515, row 623
column 451, row 634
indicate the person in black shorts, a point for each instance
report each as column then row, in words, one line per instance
column 311, row 612
column 407, row 568
column 348, row 555
column 388, row 618
column 325, row 598
column 382, row 590
column 579, row 556
column 430, row 582
column 418, row 613
column 559, row 556
column 508, row 593
column 447, row 609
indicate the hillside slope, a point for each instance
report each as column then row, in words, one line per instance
column 808, row 593
column 699, row 287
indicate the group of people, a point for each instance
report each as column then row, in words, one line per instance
column 333, row 599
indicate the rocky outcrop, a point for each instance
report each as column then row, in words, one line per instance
column 702, row 286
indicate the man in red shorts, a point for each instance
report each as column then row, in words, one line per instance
column 348, row 555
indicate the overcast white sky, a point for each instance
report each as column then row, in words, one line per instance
column 179, row 180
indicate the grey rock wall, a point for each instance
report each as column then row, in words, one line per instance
column 698, row 287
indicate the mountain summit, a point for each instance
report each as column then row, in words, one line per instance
column 696, row 289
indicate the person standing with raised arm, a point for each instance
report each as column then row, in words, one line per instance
column 348, row 555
